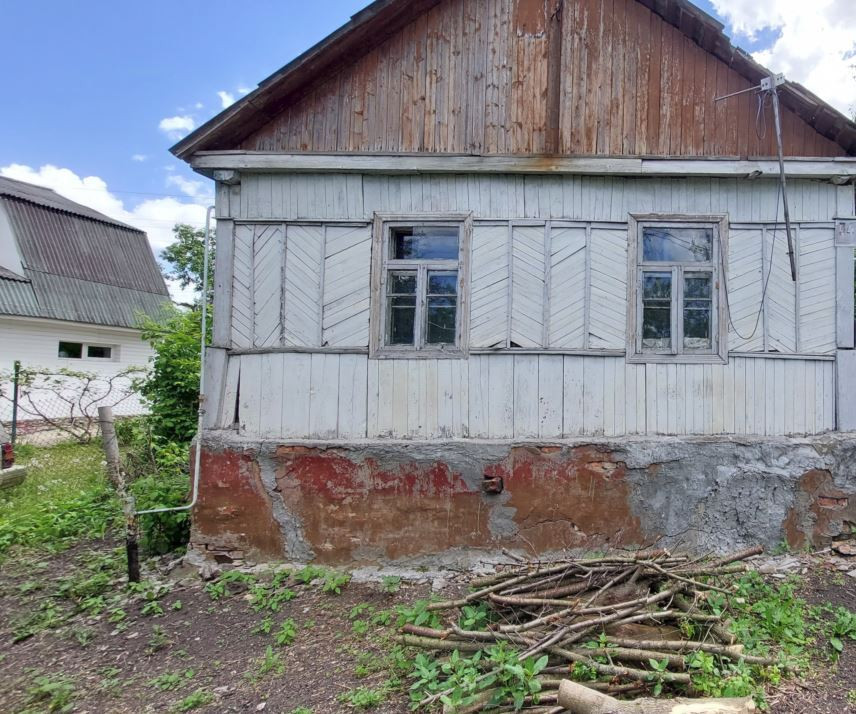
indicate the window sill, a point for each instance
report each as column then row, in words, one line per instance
column 387, row 353
column 650, row 358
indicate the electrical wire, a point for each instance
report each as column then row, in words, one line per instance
column 766, row 281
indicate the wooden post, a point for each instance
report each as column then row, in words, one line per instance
column 117, row 478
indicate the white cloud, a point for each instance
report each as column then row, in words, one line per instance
column 178, row 126
column 245, row 90
column 199, row 105
column 155, row 216
column 139, row 157
column 195, row 189
column 815, row 44
column 227, row 99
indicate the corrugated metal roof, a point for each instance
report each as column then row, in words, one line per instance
column 51, row 199
column 64, row 298
column 80, row 265
column 64, row 244
column 18, row 298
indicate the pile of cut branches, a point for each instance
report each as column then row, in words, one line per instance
column 624, row 625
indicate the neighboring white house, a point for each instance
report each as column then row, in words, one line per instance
column 73, row 285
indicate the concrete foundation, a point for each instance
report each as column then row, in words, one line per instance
column 385, row 501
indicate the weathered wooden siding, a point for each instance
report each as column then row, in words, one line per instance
column 607, row 77
column 343, row 396
column 354, row 197
column 541, row 275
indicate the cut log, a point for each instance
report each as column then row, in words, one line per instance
column 578, row 699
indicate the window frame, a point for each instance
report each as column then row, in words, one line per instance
column 678, row 269
column 84, row 351
column 382, row 264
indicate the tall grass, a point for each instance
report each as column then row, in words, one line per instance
column 64, row 497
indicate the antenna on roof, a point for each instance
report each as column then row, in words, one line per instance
column 770, row 86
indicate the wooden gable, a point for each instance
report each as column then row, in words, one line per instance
column 569, row 77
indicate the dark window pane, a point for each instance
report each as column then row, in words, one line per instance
column 657, row 328
column 657, row 286
column 698, row 311
column 401, row 283
column 71, row 350
column 424, row 243
column 440, row 320
column 98, row 352
column 697, row 286
column 400, row 320
column 445, row 283
column 678, row 245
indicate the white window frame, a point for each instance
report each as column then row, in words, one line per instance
column 382, row 264
column 719, row 305
column 84, row 351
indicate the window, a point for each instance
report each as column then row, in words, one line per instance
column 679, row 306
column 70, row 350
column 76, row 350
column 419, row 269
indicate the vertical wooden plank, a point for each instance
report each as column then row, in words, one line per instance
column 573, row 422
column 249, row 407
column 593, row 395
column 501, row 396
column 550, row 396
column 324, row 400
column 526, row 404
column 479, row 396
column 273, row 376
column 229, row 402
column 353, row 390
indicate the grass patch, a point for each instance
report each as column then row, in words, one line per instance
column 64, row 498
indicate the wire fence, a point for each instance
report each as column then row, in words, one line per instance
column 47, row 407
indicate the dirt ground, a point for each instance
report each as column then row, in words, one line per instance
column 189, row 651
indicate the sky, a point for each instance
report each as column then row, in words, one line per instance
column 95, row 92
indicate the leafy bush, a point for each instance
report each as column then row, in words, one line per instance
column 172, row 385
column 160, row 478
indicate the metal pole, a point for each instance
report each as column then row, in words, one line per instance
column 16, row 375
column 201, row 411
column 778, row 124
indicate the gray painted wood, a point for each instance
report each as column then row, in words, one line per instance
column 845, row 368
column 844, row 296
column 332, row 396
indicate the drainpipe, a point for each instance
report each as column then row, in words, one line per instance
column 201, row 410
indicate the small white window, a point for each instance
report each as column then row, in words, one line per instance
column 676, row 296
column 82, row 350
column 420, row 283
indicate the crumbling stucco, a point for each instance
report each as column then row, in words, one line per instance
column 376, row 502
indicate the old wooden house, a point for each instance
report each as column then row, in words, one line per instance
column 509, row 273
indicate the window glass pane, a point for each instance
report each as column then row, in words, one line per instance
column 98, row 352
column 401, row 283
column 424, row 243
column 71, row 350
column 657, row 311
column 440, row 320
column 698, row 311
column 677, row 245
column 401, row 317
column 445, row 283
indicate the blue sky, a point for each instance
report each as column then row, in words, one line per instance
column 88, row 83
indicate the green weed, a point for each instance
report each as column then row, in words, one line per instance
column 52, row 693
column 286, row 633
column 199, row 698
column 171, row 680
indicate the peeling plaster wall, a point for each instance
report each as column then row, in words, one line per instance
column 375, row 502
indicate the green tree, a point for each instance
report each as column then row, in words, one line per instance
column 186, row 257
